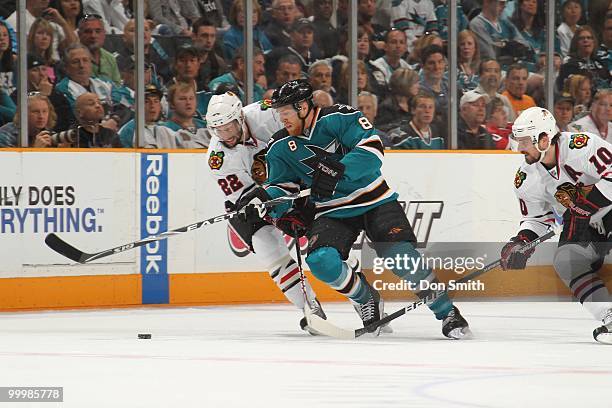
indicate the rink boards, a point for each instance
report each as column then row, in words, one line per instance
column 100, row 199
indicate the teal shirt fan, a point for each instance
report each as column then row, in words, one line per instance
column 345, row 135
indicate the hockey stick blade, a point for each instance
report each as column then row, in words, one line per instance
column 328, row 329
column 62, row 247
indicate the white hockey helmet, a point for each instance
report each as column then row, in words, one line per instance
column 223, row 109
column 531, row 123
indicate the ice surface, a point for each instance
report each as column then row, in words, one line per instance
column 523, row 355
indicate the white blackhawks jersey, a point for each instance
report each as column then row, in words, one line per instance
column 581, row 157
column 231, row 167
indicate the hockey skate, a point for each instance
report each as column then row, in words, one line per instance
column 315, row 309
column 454, row 326
column 603, row 334
column 372, row 310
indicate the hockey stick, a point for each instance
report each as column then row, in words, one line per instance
column 329, row 329
column 62, row 247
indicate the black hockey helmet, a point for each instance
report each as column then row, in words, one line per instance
column 291, row 93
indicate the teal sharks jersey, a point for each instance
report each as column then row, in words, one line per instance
column 343, row 134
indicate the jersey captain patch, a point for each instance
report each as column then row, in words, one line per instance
column 519, row 178
column 215, row 161
column 578, row 141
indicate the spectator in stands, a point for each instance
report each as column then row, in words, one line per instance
column 8, row 60
column 442, row 15
column 516, row 86
column 414, row 58
column 204, row 38
column 579, row 87
column 234, row 37
column 71, row 10
column 63, row 37
column 366, row 9
column 571, row 13
column 320, row 77
column 415, row 18
column 325, row 34
column 529, row 18
column 496, row 36
column 187, row 67
column 583, row 59
column 114, row 13
column 598, row 120
column 302, row 46
column 395, row 49
column 497, row 124
column 182, row 99
column 604, row 53
column 394, row 110
column 362, row 81
column 93, row 35
column 237, row 75
column 92, row 129
column 471, row 132
column 468, row 55
column 368, row 105
column 154, row 52
column 289, row 68
column 322, row 99
column 212, row 10
column 79, row 80
column 153, row 116
column 41, row 118
column 172, row 16
column 421, row 132
column 284, row 13
column 564, row 112
column 433, row 78
column 489, row 72
column 38, row 80
column 40, row 40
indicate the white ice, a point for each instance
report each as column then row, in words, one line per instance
column 523, row 355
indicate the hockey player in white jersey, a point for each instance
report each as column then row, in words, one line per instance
column 570, row 174
column 236, row 159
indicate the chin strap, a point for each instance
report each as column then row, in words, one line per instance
column 542, row 152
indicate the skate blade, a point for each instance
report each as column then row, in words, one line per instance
column 460, row 333
column 604, row 338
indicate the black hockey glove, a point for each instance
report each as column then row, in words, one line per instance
column 290, row 223
column 249, row 211
column 511, row 257
column 327, row 174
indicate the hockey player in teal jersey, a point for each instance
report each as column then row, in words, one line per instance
column 337, row 153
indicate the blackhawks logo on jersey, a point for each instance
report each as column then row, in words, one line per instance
column 215, row 161
column 578, row 141
column 519, row 178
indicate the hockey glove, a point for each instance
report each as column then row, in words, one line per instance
column 327, row 174
column 290, row 223
column 249, row 211
column 511, row 256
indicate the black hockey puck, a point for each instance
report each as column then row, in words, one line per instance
column 144, row 336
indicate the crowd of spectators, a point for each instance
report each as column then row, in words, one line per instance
column 81, row 67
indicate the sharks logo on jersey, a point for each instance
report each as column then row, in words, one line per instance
column 319, row 153
column 578, row 141
column 215, row 161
